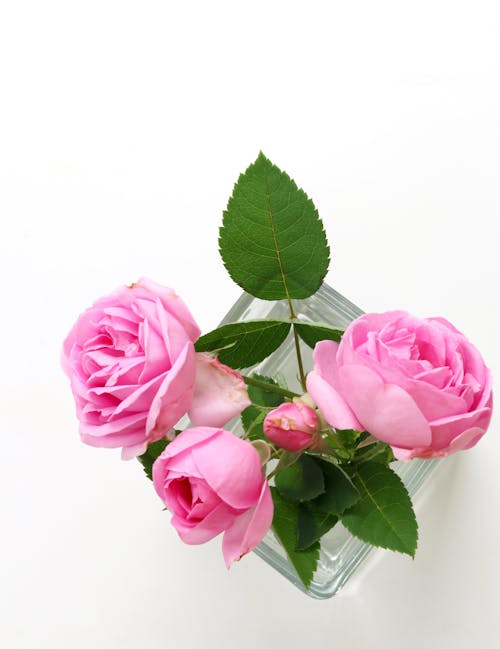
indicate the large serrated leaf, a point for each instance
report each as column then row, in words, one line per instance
column 312, row 332
column 242, row 344
column 384, row 515
column 303, row 480
column 285, row 522
column 272, row 240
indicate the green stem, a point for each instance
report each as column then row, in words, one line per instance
column 302, row 375
column 269, row 387
column 299, row 361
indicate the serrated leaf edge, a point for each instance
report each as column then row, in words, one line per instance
column 262, row 157
column 411, row 554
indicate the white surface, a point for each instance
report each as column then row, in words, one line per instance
column 123, row 126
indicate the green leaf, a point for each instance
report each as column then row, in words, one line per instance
column 340, row 493
column 340, row 451
column 384, row 515
column 303, row 480
column 261, row 396
column 285, row 523
column 252, row 418
column 312, row 332
column 349, row 438
column 153, row 451
column 312, row 524
column 242, row 344
column 272, row 240
column 378, row 452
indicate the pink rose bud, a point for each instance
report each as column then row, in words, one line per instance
column 212, row 482
column 292, row 426
column 417, row 384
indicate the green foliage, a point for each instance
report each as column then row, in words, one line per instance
column 285, row 525
column 312, row 524
column 153, row 451
column 262, row 397
column 303, row 480
column 242, row 344
column 313, row 332
column 340, row 493
column 378, row 452
column 349, row 438
column 384, row 515
column 272, row 240
column 252, row 418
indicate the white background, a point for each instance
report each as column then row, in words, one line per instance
column 123, row 126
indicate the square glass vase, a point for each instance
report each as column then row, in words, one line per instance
column 340, row 552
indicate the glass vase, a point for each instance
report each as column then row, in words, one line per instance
column 340, row 552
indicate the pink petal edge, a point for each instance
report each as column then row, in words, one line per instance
column 249, row 529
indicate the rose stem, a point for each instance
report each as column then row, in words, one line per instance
column 293, row 316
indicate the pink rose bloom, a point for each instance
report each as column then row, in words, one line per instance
column 292, row 426
column 416, row 384
column 132, row 365
column 212, row 482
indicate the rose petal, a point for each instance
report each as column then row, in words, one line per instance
column 486, row 399
column 157, row 359
column 331, row 404
column 219, row 519
column 446, row 429
column 467, row 439
column 434, row 403
column 384, row 410
column 249, row 529
column 219, row 393
column 113, row 431
column 325, row 361
column 174, row 395
column 130, row 452
column 403, row 454
column 139, row 399
column 181, row 445
column 182, row 464
column 462, row 442
column 238, row 480
column 172, row 303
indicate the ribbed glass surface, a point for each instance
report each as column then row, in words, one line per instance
column 340, row 552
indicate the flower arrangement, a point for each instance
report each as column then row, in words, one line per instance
column 311, row 455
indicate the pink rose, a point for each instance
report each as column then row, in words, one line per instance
column 292, row 426
column 416, row 384
column 212, row 482
column 132, row 365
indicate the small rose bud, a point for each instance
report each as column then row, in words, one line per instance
column 292, row 426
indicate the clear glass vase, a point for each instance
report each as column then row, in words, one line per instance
column 340, row 553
